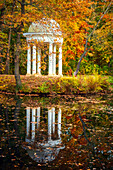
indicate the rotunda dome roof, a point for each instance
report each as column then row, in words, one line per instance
column 45, row 26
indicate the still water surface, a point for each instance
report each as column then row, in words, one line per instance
column 47, row 133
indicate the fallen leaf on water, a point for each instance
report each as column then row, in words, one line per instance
column 39, row 164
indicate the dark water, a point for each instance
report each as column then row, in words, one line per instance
column 56, row 133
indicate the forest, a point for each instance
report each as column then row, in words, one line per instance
column 77, row 20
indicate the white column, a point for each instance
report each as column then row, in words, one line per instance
column 38, row 117
column 50, row 58
column 54, row 60
column 33, row 124
column 60, row 61
column 29, row 59
column 39, row 61
column 59, row 123
column 49, row 124
column 34, row 60
column 27, row 121
column 53, row 119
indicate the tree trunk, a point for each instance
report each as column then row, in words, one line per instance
column 23, row 7
column 16, row 115
column 8, row 55
column 78, row 65
column 17, row 75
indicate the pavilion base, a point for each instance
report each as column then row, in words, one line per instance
column 28, row 74
column 49, row 75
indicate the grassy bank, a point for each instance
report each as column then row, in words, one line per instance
column 55, row 84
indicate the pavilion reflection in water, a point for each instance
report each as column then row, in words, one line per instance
column 43, row 133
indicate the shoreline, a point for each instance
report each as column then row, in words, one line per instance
column 56, row 85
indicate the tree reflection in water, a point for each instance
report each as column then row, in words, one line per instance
column 43, row 147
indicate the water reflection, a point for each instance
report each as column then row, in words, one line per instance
column 45, row 146
column 38, row 134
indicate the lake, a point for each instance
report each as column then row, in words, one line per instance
column 63, row 132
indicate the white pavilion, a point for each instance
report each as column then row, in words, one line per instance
column 47, row 32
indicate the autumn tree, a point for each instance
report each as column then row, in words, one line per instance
column 92, row 33
column 73, row 17
column 102, row 42
column 15, row 17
